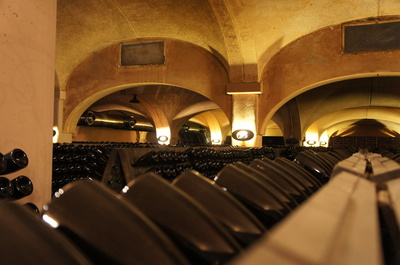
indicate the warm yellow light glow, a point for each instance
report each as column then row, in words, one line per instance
column 55, row 134
column 248, row 126
column 53, row 223
column 324, row 139
column 311, row 142
column 209, row 120
column 242, row 135
column 162, row 138
column 125, row 189
column 216, row 141
column 272, row 129
column 244, row 117
column 216, row 136
column 142, row 137
column 163, row 132
column 244, row 93
column 311, row 135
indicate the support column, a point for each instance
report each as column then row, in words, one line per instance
column 142, row 137
column 27, row 70
column 244, row 110
column 60, row 137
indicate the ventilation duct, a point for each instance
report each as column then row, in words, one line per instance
column 115, row 121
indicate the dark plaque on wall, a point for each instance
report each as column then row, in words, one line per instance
column 372, row 37
column 273, row 141
column 242, row 135
column 142, row 53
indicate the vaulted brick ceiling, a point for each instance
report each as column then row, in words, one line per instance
column 245, row 34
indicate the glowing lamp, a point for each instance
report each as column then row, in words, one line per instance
column 242, row 135
column 216, row 141
column 311, row 142
column 162, row 138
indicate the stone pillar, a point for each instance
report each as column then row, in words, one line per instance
column 60, row 137
column 27, row 70
column 244, row 117
column 142, row 137
column 244, row 110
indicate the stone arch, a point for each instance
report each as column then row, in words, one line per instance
column 273, row 129
column 219, row 127
column 314, row 60
column 338, row 120
column 100, row 74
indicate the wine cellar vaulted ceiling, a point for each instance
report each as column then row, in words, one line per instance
column 246, row 37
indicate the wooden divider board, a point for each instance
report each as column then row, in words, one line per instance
column 393, row 187
column 354, row 164
column 359, row 241
column 326, row 229
column 384, row 169
column 124, row 158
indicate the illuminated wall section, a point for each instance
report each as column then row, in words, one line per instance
column 142, row 137
column 163, row 135
column 312, row 136
column 273, row 129
column 209, row 120
column 324, row 139
column 244, row 116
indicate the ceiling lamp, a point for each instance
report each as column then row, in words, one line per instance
column 134, row 99
column 311, row 142
column 162, row 138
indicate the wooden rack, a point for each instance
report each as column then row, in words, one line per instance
column 354, row 219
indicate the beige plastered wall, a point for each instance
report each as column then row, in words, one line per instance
column 187, row 66
column 27, row 52
column 313, row 60
column 98, row 134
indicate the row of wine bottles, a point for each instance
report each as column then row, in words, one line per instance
column 20, row 186
column 171, row 171
column 13, row 161
column 72, row 161
column 16, row 188
column 121, row 144
column 200, row 221
column 79, row 148
column 208, row 168
column 207, row 161
column 141, row 145
column 207, row 154
column 78, row 161
column 291, row 152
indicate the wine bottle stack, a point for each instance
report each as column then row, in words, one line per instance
column 77, row 161
column 210, row 161
column 166, row 163
column 392, row 153
column 321, row 163
column 118, row 144
column 190, row 219
column 205, row 160
column 291, row 152
column 17, row 187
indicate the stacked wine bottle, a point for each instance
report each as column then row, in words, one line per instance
column 77, row 161
column 20, row 186
column 207, row 161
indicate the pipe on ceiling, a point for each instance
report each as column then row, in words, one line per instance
column 115, row 121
